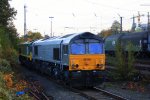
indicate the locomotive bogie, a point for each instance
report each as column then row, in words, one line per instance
column 86, row 78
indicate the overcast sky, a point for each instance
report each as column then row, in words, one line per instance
column 76, row 15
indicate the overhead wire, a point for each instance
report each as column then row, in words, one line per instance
column 112, row 7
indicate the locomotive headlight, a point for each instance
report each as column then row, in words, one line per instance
column 99, row 65
column 77, row 65
column 74, row 66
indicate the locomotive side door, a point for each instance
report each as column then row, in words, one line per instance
column 148, row 42
column 65, row 53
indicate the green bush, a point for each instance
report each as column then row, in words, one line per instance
column 0, row 48
column 110, row 60
column 124, row 62
column 11, row 55
column 2, row 84
column 7, row 50
column 23, row 97
column 130, row 61
column 5, row 94
column 119, row 62
column 5, row 66
column 8, row 46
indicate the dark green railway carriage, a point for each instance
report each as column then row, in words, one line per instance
column 140, row 40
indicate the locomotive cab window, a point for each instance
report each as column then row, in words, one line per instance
column 95, row 48
column 56, row 54
column 78, row 48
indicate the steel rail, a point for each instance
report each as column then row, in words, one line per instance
column 111, row 94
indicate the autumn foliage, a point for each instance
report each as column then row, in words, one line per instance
column 8, row 80
column 105, row 33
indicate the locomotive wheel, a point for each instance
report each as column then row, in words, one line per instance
column 42, row 69
column 56, row 73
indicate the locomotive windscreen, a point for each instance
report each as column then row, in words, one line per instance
column 95, row 48
column 78, row 48
column 88, row 48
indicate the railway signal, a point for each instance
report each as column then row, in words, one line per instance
column 139, row 19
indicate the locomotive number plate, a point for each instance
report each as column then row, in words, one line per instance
column 87, row 59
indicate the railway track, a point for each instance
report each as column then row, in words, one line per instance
column 143, row 61
column 35, row 89
column 91, row 94
column 96, row 93
column 38, row 93
column 142, row 66
column 115, row 96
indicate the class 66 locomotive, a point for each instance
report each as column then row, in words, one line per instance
column 77, row 59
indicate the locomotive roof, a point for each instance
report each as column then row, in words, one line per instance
column 84, row 35
column 67, row 38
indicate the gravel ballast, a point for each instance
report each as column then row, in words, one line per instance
column 130, row 92
column 51, row 88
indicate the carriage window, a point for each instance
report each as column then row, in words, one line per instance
column 36, row 50
column 95, row 48
column 78, row 48
column 56, row 54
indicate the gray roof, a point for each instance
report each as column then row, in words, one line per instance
column 66, row 39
